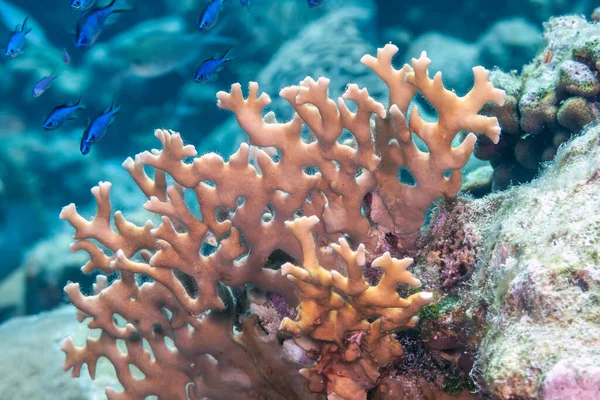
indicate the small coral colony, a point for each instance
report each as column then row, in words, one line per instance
column 92, row 22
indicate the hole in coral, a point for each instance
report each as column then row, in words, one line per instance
column 169, row 343
column 143, row 278
column 210, row 239
column 207, row 248
column 241, row 257
column 135, row 337
column 307, row 135
column 210, row 243
column 157, row 329
column 277, row 258
column 243, row 239
column 448, row 174
column 268, row 213
column 365, row 207
column 188, row 282
column 336, row 164
column 299, row 213
column 119, row 321
column 209, row 183
column 275, row 155
column 146, row 346
column 240, row 201
column 167, row 313
column 227, row 298
column 310, row 169
column 136, row 372
column 121, row 345
column 243, row 242
column 406, row 177
column 222, row 214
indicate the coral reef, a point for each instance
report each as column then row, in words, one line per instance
column 555, row 96
column 543, row 302
column 524, row 322
column 173, row 304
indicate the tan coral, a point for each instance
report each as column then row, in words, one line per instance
column 335, row 309
column 181, row 357
column 402, row 207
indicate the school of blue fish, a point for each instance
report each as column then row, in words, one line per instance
column 92, row 22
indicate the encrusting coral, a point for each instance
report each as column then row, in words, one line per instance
column 554, row 97
column 175, row 297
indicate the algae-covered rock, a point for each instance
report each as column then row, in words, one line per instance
column 528, row 312
column 556, row 94
column 540, row 275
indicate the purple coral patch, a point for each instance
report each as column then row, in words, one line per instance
column 281, row 306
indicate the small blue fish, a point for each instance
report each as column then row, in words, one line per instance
column 60, row 114
column 210, row 14
column 42, row 85
column 82, row 4
column 245, row 4
column 207, row 71
column 16, row 42
column 315, row 3
column 92, row 22
column 97, row 128
column 66, row 57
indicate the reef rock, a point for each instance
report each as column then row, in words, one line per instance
column 524, row 303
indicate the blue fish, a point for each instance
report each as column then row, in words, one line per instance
column 315, row 3
column 210, row 14
column 97, row 128
column 92, row 22
column 60, row 114
column 207, row 71
column 42, row 85
column 245, row 4
column 16, row 42
column 66, row 57
column 82, row 4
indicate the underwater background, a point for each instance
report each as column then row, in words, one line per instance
column 107, row 82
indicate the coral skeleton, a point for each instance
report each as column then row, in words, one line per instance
column 332, row 202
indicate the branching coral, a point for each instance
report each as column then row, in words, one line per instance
column 335, row 310
column 179, row 322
